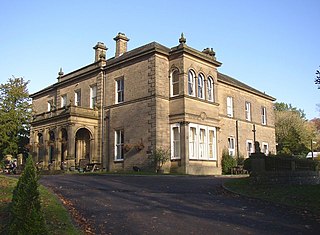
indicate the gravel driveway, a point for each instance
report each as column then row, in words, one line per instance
column 116, row 204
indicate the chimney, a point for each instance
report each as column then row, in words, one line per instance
column 100, row 51
column 121, row 44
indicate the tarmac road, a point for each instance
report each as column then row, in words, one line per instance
column 117, row 204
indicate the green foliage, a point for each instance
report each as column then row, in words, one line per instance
column 247, row 165
column 293, row 132
column 227, row 162
column 15, row 116
column 158, row 158
column 26, row 213
column 317, row 80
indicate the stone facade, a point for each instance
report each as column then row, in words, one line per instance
column 117, row 111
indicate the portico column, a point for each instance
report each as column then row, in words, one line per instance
column 59, row 148
column 184, row 146
column 71, row 146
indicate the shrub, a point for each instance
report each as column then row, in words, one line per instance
column 247, row 164
column 159, row 157
column 227, row 162
column 26, row 214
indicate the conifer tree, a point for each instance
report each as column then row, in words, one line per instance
column 26, row 214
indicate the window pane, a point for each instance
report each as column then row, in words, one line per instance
column 191, row 83
column 176, row 142
column 175, row 89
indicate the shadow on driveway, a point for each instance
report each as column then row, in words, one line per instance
column 174, row 205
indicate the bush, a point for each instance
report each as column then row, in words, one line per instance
column 227, row 162
column 159, row 157
column 247, row 165
column 26, row 215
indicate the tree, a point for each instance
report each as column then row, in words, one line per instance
column 293, row 132
column 317, row 80
column 15, row 116
column 26, row 215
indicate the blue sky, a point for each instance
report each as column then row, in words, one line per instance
column 271, row 45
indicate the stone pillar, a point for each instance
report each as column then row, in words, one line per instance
column 184, row 146
column 71, row 146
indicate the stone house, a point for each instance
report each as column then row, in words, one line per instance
column 117, row 111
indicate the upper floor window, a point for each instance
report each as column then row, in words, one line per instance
column 263, row 115
column 210, row 89
column 50, row 105
column 93, row 96
column 200, row 86
column 229, row 106
column 248, row 111
column 120, row 90
column 119, row 142
column 175, row 83
column 63, row 101
column 77, row 98
column 191, row 83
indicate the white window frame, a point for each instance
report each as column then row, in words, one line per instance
column 77, row 98
column 214, row 144
column 118, row 146
column 120, row 90
column 202, row 145
column 248, row 149
column 200, row 86
column 263, row 115
column 248, row 110
column 265, row 150
column 231, row 146
column 191, row 83
column 210, row 89
column 173, row 141
column 50, row 105
column 93, row 96
column 173, row 83
column 230, row 106
column 195, row 147
column 64, row 100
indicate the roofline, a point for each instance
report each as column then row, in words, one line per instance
column 243, row 86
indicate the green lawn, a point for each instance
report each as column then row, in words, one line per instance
column 302, row 196
column 57, row 217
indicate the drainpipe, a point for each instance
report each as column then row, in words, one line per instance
column 237, row 138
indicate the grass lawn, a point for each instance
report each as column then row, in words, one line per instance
column 302, row 196
column 57, row 217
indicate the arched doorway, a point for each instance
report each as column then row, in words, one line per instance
column 82, row 145
column 64, row 145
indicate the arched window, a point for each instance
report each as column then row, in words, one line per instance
column 191, row 83
column 210, row 87
column 175, row 83
column 200, row 86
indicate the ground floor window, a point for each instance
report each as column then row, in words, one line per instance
column 265, row 148
column 119, row 137
column 202, row 142
column 175, row 141
column 231, row 146
column 250, row 148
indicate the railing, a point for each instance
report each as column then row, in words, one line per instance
column 68, row 111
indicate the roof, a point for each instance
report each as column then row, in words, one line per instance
column 236, row 83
